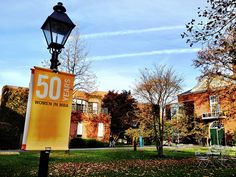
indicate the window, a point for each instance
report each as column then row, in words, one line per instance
column 93, row 108
column 79, row 129
column 79, row 105
column 105, row 110
column 213, row 99
column 100, row 129
column 74, row 105
column 214, row 104
column 82, row 105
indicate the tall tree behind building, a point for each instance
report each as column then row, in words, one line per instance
column 122, row 107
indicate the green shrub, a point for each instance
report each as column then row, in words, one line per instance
column 86, row 143
column 9, row 136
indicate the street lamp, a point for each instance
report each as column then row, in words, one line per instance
column 56, row 30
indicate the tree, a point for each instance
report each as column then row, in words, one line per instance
column 143, row 122
column 122, row 108
column 219, row 59
column 216, row 19
column 186, row 126
column 73, row 60
column 217, row 67
column 215, row 28
column 12, row 114
column 158, row 86
column 218, row 63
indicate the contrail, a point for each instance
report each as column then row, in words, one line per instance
column 127, row 32
column 150, row 53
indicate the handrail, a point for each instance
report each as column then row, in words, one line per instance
column 212, row 115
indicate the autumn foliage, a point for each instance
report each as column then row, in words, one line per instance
column 12, row 116
column 90, row 125
column 122, row 108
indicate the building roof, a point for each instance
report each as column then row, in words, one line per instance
column 14, row 87
column 85, row 96
column 81, row 95
column 78, row 94
column 99, row 93
column 205, row 84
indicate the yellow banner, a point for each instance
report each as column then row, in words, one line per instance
column 50, row 110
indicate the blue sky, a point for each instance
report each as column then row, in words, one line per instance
column 121, row 37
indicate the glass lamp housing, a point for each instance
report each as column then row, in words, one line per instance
column 57, row 28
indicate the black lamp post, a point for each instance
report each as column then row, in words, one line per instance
column 135, row 126
column 57, row 29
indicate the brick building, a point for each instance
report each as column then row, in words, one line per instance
column 211, row 102
column 89, row 119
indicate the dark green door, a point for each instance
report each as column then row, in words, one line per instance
column 213, row 136
column 217, row 136
column 221, row 135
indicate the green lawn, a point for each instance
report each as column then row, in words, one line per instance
column 112, row 162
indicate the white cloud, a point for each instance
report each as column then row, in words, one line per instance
column 149, row 53
column 128, row 32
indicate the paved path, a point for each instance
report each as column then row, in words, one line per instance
column 104, row 148
column 83, row 149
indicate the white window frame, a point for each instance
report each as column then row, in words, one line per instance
column 80, row 103
column 80, row 129
column 95, row 108
column 214, row 104
column 100, row 129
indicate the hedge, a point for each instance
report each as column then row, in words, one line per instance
column 86, row 143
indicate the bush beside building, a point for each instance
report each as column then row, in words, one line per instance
column 12, row 116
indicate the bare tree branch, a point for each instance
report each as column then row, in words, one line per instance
column 215, row 20
column 74, row 61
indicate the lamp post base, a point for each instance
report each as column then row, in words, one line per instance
column 43, row 164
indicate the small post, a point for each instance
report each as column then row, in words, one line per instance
column 43, row 163
column 140, row 141
column 135, row 144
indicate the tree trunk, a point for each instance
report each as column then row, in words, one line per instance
column 155, row 132
column 161, row 130
column 157, row 122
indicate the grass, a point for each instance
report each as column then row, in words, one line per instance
column 111, row 162
column 19, row 164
